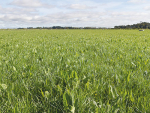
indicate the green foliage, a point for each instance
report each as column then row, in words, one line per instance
column 141, row 25
column 75, row 71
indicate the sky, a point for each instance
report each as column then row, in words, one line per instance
column 76, row 13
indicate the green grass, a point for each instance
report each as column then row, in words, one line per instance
column 76, row 71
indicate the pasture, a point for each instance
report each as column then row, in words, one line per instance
column 77, row 71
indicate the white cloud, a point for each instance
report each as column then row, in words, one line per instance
column 76, row 18
column 12, row 18
column 30, row 3
column 98, row 19
column 137, row 1
column 147, row 8
column 25, row 13
column 17, row 10
column 80, row 6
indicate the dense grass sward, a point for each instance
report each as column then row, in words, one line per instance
column 76, row 71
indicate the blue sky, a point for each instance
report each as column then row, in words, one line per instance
column 77, row 13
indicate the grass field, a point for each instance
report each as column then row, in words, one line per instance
column 78, row 71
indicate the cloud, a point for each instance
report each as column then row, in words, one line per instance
column 12, row 18
column 69, row 17
column 30, row 3
column 25, row 13
column 98, row 19
column 12, row 15
column 147, row 8
column 75, row 18
column 137, row 1
column 17, row 11
column 133, row 17
column 64, row 19
column 80, row 6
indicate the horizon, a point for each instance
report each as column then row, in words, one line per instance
column 88, row 13
column 72, row 27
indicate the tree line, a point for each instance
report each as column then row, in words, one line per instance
column 60, row 27
column 142, row 25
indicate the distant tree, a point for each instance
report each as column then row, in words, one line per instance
column 141, row 25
